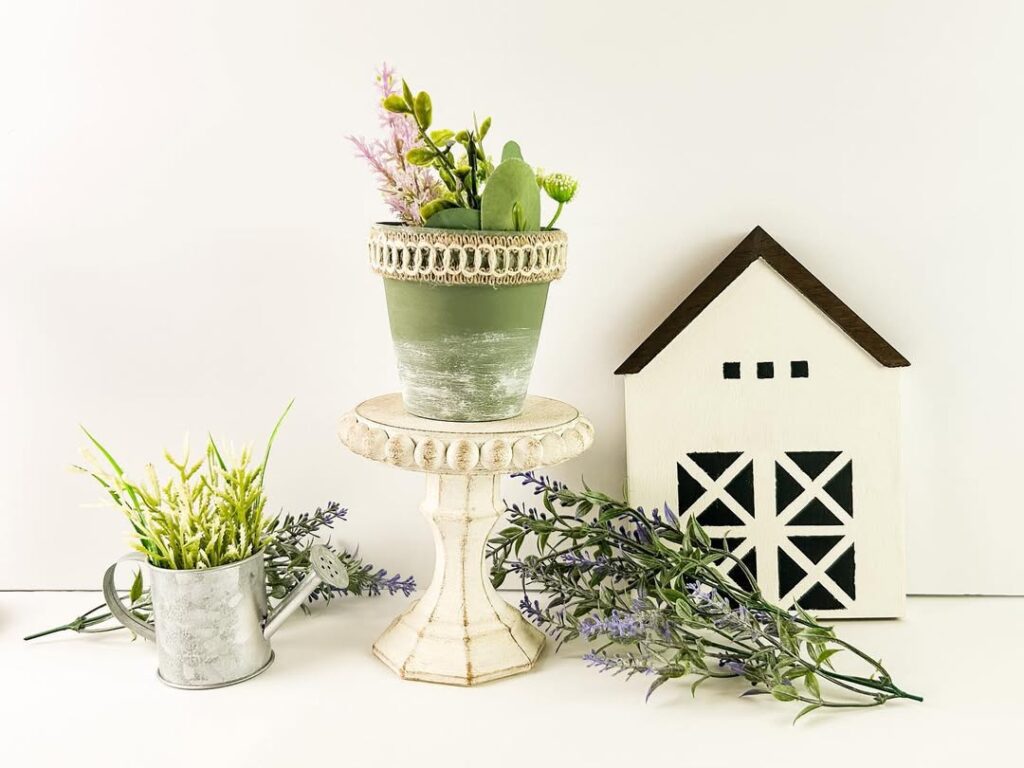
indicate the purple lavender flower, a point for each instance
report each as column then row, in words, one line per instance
column 380, row 582
column 631, row 665
column 734, row 666
column 532, row 610
column 620, row 626
column 406, row 187
column 581, row 560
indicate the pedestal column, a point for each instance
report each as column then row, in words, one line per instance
column 461, row 631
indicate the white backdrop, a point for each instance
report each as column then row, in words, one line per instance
column 182, row 231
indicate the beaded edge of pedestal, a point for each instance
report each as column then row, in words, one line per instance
column 466, row 454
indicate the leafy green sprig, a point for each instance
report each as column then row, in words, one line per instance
column 462, row 176
column 209, row 513
column 650, row 594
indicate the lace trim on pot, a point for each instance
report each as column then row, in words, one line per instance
column 465, row 258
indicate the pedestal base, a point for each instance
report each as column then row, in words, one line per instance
column 461, row 631
column 443, row 652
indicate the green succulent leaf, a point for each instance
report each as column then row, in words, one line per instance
column 441, row 136
column 407, row 96
column 511, row 199
column 511, row 151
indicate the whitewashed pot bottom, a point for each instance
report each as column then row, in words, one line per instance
column 461, row 632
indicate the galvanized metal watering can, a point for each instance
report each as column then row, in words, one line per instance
column 212, row 626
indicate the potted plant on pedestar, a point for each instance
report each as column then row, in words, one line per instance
column 467, row 266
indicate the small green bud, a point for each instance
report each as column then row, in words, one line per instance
column 395, row 103
column 485, row 126
column 462, row 137
column 518, row 219
column 462, row 171
column 423, row 109
column 420, row 156
column 559, row 187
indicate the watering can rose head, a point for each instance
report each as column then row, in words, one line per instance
column 440, row 178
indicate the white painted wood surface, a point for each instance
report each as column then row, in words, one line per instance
column 461, row 631
column 82, row 701
column 680, row 404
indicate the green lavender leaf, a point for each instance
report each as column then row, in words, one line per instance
column 806, row 710
column 696, row 683
column 783, row 692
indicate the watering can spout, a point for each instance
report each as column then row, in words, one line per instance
column 326, row 568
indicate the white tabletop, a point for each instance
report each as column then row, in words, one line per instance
column 82, row 701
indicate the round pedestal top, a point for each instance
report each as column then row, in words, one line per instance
column 547, row 432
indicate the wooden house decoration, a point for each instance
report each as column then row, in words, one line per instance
column 767, row 408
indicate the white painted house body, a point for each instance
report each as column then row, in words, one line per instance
column 764, row 418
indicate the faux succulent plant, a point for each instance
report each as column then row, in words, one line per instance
column 437, row 177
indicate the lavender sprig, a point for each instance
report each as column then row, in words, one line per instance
column 406, row 187
column 654, row 588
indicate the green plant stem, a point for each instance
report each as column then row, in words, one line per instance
column 87, row 620
column 449, row 167
column 558, row 212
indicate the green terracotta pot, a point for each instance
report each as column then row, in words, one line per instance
column 466, row 310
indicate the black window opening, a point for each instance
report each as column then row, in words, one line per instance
column 798, row 369
column 766, row 370
column 730, row 370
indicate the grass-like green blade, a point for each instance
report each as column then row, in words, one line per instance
column 270, row 442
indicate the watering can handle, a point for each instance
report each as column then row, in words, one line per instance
column 115, row 605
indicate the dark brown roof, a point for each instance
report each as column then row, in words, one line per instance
column 760, row 245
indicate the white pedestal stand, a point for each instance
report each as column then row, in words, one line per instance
column 461, row 631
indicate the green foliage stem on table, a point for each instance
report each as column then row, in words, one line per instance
column 647, row 592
